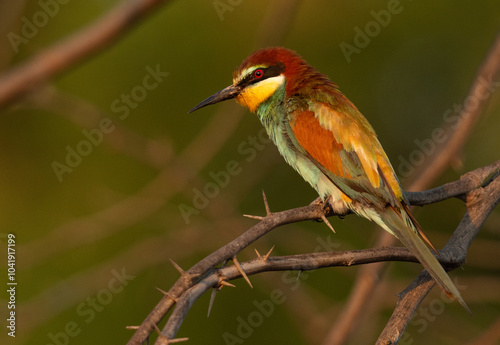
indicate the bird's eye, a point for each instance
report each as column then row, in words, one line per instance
column 258, row 73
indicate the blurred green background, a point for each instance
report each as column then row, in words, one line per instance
column 117, row 212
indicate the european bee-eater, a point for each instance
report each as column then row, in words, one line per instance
column 325, row 138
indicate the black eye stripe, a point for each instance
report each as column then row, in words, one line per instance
column 267, row 72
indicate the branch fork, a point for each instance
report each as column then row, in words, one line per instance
column 480, row 201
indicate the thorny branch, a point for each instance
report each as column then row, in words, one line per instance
column 479, row 203
column 436, row 164
column 433, row 166
column 480, row 189
column 480, row 196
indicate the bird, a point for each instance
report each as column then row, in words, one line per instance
column 325, row 138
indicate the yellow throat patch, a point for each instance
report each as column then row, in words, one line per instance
column 253, row 95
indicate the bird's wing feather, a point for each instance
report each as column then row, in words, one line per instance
column 347, row 151
column 345, row 148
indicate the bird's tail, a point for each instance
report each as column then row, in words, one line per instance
column 401, row 223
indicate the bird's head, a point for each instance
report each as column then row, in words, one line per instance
column 260, row 76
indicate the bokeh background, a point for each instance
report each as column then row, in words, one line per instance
column 120, row 210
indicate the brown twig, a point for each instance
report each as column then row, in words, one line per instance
column 73, row 49
column 480, row 92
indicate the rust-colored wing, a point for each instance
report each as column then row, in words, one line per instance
column 347, row 151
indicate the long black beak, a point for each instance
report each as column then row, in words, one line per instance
column 229, row 92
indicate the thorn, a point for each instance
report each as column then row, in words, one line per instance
column 212, row 299
column 132, row 327
column 160, row 334
column 226, row 283
column 266, row 204
column 268, row 210
column 167, row 294
column 240, row 269
column 253, row 217
column 222, row 281
column 268, row 253
column 167, row 341
column 177, row 267
column 187, row 276
column 327, row 223
column 258, row 254
column 219, row 286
